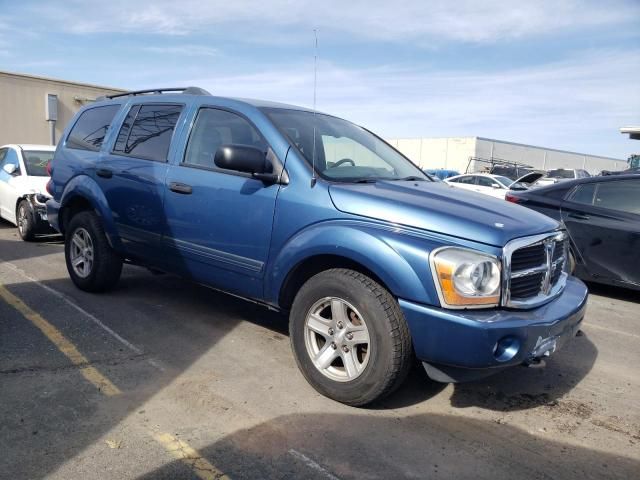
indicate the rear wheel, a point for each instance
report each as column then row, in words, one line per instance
column 92, row 264
column 25, row 221
column 349, row 337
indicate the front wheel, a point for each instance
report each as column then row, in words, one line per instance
column 25, row 221
column 92, row 264
column 349, row 337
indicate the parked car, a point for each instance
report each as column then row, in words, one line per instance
column 493, row 185
column 602, row 217
column 560, row 175
column 316, row 217
column 517, row 173
column 23, row 178
column 441, row 173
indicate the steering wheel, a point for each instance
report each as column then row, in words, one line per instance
column 343, row 161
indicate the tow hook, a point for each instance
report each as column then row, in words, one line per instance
column 543, row 349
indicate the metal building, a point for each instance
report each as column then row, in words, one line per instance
column 36, row 109
column 458, row 153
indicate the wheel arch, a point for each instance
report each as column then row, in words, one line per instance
column 377, row 254
column 83, row 193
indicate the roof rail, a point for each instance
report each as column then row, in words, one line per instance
column 182, row 90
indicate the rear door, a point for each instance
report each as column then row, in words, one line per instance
column 603, row 219
column 219, row 221
column 132, row 177
column 468, row 182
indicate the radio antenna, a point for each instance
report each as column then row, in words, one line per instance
column 315, row 84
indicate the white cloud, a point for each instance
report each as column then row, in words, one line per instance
column 184, row 50
column 577, row 104
column 424, row 22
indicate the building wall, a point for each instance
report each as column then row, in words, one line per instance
column 22, row 106
column 450, row 153
column 454, row 153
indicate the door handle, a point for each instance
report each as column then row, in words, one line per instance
column 104, row 173
column 180, row 188
column 579, row 216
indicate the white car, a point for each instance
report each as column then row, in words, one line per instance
column 23, row 181
column 494, row 185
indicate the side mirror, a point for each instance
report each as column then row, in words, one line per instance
column 495, row 185
column 241, row 158
column 10, row 168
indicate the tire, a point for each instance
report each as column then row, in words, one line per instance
column 25, row 221
column 99, row 267
column 378, row 367
column 572, row 263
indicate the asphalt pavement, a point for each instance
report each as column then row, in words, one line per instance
column 162, row 378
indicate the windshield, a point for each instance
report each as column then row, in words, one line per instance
column 343, row 151
column 560, row 173
column 36, row 162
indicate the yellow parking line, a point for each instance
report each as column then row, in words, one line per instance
column 190, row 457
column 101, row 382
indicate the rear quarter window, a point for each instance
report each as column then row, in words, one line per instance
column 147, row 131
column 91, row 127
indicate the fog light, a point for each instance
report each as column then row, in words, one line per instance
column 506, row 348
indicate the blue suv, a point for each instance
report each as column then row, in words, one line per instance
column 311, row 215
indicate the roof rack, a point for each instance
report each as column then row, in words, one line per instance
column 494, row 161
column 182, row 90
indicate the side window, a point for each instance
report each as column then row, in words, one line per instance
column 3, row 154
column 148, row 130
column 584, row 194
column 623, row 196
column 469, row 180
column 485, row 181
column 215, row 127
column 90, row 129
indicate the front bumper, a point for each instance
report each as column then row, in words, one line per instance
column 37, row 202
column 460, row 345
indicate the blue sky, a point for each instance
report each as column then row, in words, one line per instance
column 562, row 74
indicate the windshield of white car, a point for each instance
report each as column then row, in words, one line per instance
column 344, row 152
column 36, row 162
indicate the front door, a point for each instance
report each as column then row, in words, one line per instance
column 219, row 222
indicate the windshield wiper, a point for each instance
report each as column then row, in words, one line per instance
column 365, row 180
column 412, row 178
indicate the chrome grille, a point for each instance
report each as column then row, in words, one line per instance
column 534, row 269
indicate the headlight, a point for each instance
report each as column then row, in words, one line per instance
column 465, row 278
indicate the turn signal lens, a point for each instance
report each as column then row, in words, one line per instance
column 465, row 278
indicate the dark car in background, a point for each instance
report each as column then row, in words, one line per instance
column 602, row 217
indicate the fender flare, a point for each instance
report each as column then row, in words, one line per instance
column 86, row 187
column 360, row 245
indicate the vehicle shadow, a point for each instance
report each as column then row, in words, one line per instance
column 352, row 446
column 177, row 322
column 521, row 388
column 618, row 293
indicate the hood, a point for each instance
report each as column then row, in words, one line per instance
column 29, row 184
column 439, row 207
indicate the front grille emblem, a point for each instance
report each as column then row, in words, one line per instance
column 549, row 247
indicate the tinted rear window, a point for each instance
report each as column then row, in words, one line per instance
column 147, row 131
column 560, row 173
column 89, row 131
